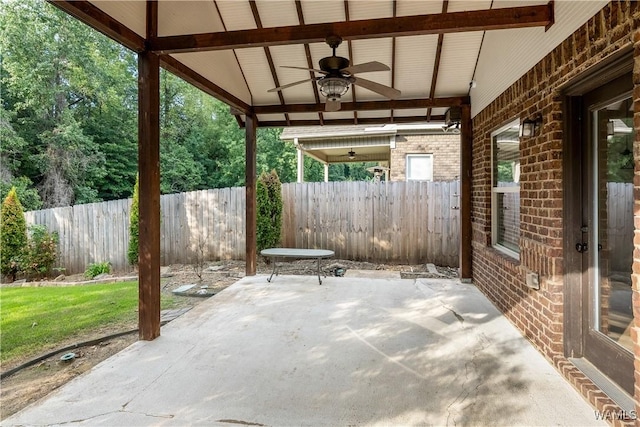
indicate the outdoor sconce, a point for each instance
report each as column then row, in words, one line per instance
column 530, row 127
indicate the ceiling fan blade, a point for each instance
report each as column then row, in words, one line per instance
column 367, row 67
column 303, row 68
column 331, row 106
column 383, row 90
column 279, row 88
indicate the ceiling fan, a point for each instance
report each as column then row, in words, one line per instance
column 338, row 75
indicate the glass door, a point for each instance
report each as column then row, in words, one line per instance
column 608, row 230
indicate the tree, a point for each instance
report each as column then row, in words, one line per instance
column 269, row 210
column 134, row 227
column 13, row 234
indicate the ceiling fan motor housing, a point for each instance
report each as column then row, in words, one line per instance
column 333, row 64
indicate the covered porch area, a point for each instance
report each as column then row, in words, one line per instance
column 354, row 351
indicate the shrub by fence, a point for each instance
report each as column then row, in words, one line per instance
column 394, row 222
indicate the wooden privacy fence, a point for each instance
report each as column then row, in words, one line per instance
column 384, row 222
column 393, row 222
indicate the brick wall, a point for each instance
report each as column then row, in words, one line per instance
column 444, row 147
column 539, row 313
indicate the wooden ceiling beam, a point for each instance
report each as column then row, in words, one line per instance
column 96, row 18
column 440, row 23
column 397, row 104
column 307, row 52
column 436, row 63
column 361, row 121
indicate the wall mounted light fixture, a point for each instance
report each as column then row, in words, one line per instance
column 530, row 127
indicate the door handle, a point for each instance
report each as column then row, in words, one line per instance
column 582, row 247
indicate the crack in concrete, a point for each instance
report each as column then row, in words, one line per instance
column 244, row 423
column 470, row 366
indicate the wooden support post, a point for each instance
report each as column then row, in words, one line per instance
column 149, row 187
column 466, row 144
column 250, row 184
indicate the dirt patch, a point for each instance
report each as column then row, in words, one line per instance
column 33, row 383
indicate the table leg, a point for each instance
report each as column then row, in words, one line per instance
column 273, row 260
column 319, row 279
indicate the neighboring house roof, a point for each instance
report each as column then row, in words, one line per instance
column 339, row 132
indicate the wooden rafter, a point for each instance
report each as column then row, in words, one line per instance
column 441, row 23
column 350, row 50
column 393, row 57
column 307, row 52
column 267, row 52
column 396, row 104
column 436, row 63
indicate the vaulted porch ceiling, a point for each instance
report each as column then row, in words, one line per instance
column 235, row 50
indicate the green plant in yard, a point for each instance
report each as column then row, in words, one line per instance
column 13, row 234
column 269, row 205
column 42, row 251
column 96, row 269
column 134, row 227
column 35, row 320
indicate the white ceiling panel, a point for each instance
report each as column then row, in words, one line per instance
column 438, row 111
column 413, row 7
column 258, row 75
column 271, row 117
column 129, row 13
column 292, row 55
column 373, row 50
column 415, row 112
column 236, row 15
column 277, row 13
column 517, row 51
column 414, row 65
column 338, row 115
column 373, row 9
column 219, row 67
column 187, row 17
column 303, row 116
column 465, row 5
column 315, row 12
column 459, row 54
column 373, row 114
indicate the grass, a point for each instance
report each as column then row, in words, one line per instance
column 35, row 319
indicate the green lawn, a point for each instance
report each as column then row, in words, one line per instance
column 35, row 319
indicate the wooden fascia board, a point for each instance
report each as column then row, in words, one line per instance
column 398, row 104
column 361, row 121
column 94, row 17
column 441, row 23
column 176, row 67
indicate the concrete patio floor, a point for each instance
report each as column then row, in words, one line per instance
column 354, row 351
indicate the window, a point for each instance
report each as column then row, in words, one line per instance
column 505, row 191
column 419, row 167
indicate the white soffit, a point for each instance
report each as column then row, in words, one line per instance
column 373, row 114
column 524, row 48
column 414, row 112
column 415, row 57
column 129, row 13
column 459, row 53
column 219, row 67
column 236, row 15
column 257, row 73
column 187, row 17
column 270, row 117
column 370, row 9
column 303, row 116
column 414, row 7
column 465, row 5
column 315, row 12
column 277, row 13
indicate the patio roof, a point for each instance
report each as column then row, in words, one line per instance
column 236, row 50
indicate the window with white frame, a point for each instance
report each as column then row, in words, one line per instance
column 505, row 191
column 419, row 167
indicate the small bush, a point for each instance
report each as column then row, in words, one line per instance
column 269, row 206
column 13, row 234
column 42, row 251
column 96, row 269
column 134, row 230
